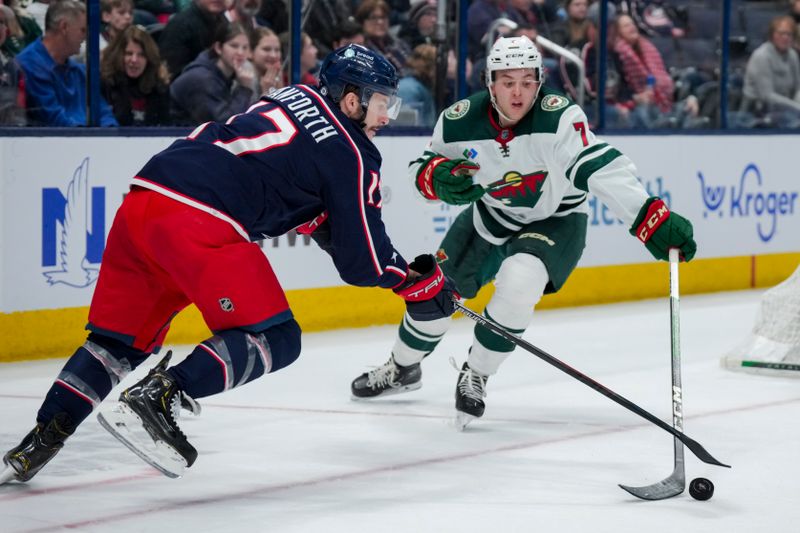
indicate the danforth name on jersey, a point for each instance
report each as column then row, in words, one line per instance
column 290, row 157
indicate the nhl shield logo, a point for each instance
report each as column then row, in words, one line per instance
column 226, row 304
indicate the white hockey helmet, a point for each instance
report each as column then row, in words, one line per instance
column 512, row 53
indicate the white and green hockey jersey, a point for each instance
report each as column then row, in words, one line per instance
column 542, row 167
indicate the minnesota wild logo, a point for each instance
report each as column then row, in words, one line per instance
column 457, row 110
column 518, row 190
column 554, row 102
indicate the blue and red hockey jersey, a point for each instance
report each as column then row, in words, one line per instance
column 292, row 156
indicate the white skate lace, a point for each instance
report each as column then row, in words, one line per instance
column 470, row 384
column 183, row 400
column 383, row 375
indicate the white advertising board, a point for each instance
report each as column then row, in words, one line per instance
column 59, row 196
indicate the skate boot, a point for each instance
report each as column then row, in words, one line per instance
column 37, row 448
column 145, row 421
column 389, row 378
column 470, row 392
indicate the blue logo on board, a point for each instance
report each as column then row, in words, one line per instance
column 73, row 231
column 748, row 199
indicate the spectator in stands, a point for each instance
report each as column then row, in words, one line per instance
column 273, row 15
column 522, row 10
column 656, row 17
column 147, row 12
column 416, row 88
column 117, row 16
column 24, row 29
column 12, row 86
column 348, row 33
column 643, row 72
column 617, row 113
column 420, row 25
column 772, row 76
column 244, row 12
column 13, row 43
column 205, row 90
column 37, row 9
column 572, row 32
column 480, row 16
column 134, row 81
column 267, row 61
column 324, row 19
column 309, row 62
column 189, row 33
column 794, row 10
column 55, row 84
column 373, row 15
column 398, row 11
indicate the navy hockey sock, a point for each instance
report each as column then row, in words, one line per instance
column 234, row 357
column 88, row 376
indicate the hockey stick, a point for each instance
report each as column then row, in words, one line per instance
column 676, row 482
column 693, row 445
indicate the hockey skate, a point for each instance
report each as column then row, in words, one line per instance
column 470, row 391
column 144, row 420
column 37, row 449
column 389, row 378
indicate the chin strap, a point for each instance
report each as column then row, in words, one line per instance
column 362, row 120
column 497, row 107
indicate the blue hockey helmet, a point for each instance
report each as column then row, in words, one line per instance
column 361, row 67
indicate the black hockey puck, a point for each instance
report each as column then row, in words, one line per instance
column 701, row 488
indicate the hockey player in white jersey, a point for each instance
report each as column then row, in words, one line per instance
column 524, row 158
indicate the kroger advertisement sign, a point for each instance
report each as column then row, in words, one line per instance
column 58, row 208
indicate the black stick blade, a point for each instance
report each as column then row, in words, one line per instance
column 699, row 451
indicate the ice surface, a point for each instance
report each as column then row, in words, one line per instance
column 291, row 452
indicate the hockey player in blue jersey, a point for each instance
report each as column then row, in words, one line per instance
column 300, row 158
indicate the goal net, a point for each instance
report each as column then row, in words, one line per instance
column 773, row 347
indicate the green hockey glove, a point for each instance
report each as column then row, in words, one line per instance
column 448, row 180
column 660, row 230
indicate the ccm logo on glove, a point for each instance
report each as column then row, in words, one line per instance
column 660, row 229
column 425, row 180
column 657, row 213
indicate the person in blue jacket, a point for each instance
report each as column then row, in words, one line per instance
column 300, row 158
column 55, row 84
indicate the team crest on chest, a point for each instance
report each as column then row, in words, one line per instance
column 518, row 190
column 554, row 102
column 457, row 110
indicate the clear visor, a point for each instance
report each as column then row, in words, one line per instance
column 383, row 104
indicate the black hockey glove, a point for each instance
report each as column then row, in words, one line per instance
column 448, row 180
column 659, row 230
column 431, row 294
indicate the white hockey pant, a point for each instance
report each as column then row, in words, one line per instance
column 519, row 285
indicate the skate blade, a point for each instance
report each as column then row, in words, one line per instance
column 8, row 474
column 126, row 426
column 462, row 420
column 389, row 392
